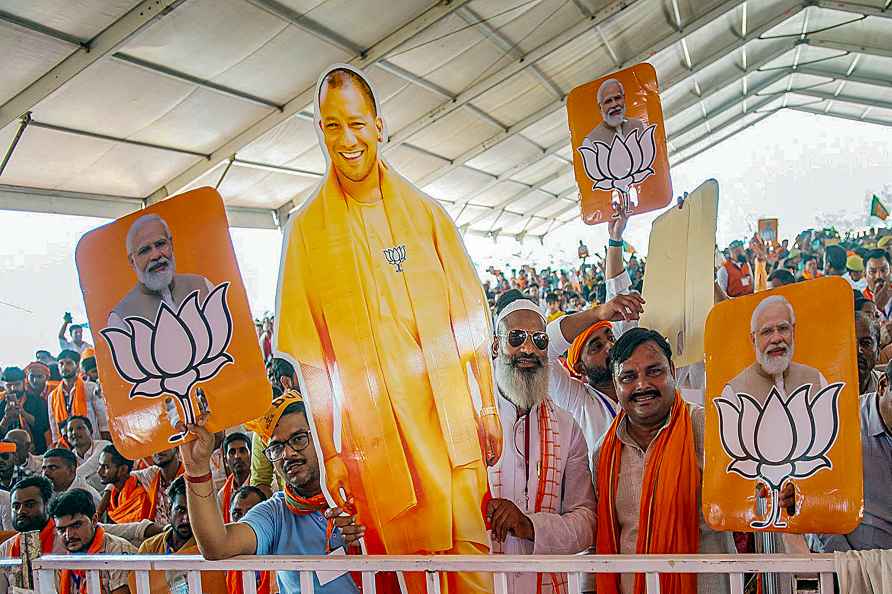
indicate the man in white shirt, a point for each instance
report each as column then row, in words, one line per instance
column 60, row 467
column 79, row 433
column 543, row 498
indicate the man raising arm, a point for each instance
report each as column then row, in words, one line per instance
column 292, row 521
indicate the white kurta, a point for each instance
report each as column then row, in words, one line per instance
column 592, row 410
column 571, row 530
column 88, row 465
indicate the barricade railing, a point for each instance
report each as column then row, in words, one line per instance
column 734, row 566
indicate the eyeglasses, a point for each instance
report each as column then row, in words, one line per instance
column 297, row 442
column 518, row 337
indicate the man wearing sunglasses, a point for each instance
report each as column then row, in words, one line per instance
column 295, row 521
column 543, row 501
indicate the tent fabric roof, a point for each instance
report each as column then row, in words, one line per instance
column 131, row 101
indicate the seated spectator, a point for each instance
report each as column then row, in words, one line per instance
column 293, row 522
column 243, row 501
column 60, row 466
column 124, row 499
column 79, row 435
column 26, row 463
column 74, row 513
column 156, row 480
column 237, row 452
column 7, row 465
column 177, row 539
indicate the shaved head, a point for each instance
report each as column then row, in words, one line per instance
column 340, row 77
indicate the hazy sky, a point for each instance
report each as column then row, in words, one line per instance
column 805, row 170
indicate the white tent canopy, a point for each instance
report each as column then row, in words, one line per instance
column 110, row 105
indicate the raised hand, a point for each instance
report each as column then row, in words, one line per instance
column 621, row 308
column 196, row 454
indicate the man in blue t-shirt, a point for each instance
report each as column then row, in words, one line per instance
column 291, row 522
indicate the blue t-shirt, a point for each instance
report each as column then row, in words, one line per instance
column 281, row 532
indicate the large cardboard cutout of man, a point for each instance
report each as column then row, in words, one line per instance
column 381, row 308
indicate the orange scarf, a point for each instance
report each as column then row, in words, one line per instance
column 155, row 492
column 78, row 402
column 669, row 517
column 47, row 539
column 574, row 353
column 234, row 582
column 95, row 547
column 303, row 506
column 130, row 504
column 226, row 499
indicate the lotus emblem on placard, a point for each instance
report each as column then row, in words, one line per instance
column 175, row 352
column 782, row 439
column 625, row 162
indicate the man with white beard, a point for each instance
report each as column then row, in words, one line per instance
column 612, row 103
column 150, row 253
column 773, row 328
column 542, row 501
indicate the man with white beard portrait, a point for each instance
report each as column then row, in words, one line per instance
column 772, row 331
column 150, row 253
column 543, row 501
column 612, row 103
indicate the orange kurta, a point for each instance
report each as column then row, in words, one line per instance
column 418, row 331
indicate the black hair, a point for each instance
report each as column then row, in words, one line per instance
column 42, row 483
column 294, row 407
column 177, row 487
column 72, row 502
column 86, row 421
column 281, row 368
column 783, row 275
column 246, row 490
column 877, row 255
column 236, row 436
column 116, row 456
column 62, row 453
column 507, row 298
column 631, row 340
column 339, row 77
column 836, row 257
column 552, row 298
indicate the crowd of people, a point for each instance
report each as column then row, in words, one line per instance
column 569, row 359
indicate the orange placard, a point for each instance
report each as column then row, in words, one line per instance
column 619, row 144
column 163, row 289
column 768, row 230
column 782, row 406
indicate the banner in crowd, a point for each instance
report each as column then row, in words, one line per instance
column 383, row 314
column 782, row 408
column 619, row 144
column 767, row 229
column 175, row 333
column 679, row 280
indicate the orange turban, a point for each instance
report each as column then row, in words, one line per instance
column 575, row 351
column 265, row 425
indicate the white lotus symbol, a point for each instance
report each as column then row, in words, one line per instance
column 623, row 163
column 179, row 350
column 780, row 439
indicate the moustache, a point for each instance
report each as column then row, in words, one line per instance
column 532, row 359
column 158, row 264
column 644, row 394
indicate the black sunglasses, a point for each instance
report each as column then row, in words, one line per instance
column 518, row 337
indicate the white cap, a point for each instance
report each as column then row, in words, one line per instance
column 518, row 305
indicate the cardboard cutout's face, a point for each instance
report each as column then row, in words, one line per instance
column 613, row 105
column 350, row 129
column 774, row 339
column 151, row 255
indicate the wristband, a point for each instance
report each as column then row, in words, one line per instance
column 204, row 478
column 615, row 243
